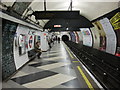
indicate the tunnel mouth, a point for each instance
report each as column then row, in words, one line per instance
column 65, row 38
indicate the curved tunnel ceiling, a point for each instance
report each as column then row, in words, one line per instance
column 91, row 10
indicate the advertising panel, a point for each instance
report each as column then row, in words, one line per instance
column 87, row 37
column 23, row 44
column 115, row 21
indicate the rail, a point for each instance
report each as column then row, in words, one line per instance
column 105, row 67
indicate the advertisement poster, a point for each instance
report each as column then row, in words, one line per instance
column 115, row 22
column 87, row 37
column 22, row 44
column 30, row 42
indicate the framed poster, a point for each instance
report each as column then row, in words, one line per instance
column 87, row 37
column 22, row 44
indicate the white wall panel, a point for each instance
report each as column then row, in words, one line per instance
column 20, row 60
column 110, row 35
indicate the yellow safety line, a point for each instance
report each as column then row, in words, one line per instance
column 80, row 70
column 85, row 78
column 69, row 52
column 75, row 61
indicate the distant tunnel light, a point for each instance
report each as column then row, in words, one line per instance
column 57, row 25
column 67, row 28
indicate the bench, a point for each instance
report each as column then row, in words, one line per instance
column 32, row 54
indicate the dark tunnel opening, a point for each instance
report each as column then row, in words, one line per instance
column 65, row 38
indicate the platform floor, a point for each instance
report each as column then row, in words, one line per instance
column 57, row 68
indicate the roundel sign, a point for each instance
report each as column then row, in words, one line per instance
column 30, row 41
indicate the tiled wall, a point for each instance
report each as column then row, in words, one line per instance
column 0, row 53
column 8, row 32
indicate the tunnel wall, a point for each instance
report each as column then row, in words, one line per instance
column 96, row 37
column 1, row 53
column 21, row 45
column 29, row 36
column 65, row 38
column 19, row 40
column 77, row 37
column 105, row 35
column 108, row 29
column 8, row 32
column 100, row 36
column 73, row 37
column 28, row 41
column 84, row 36
column 65, row 33
column 16, row 38
column 80, row 37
